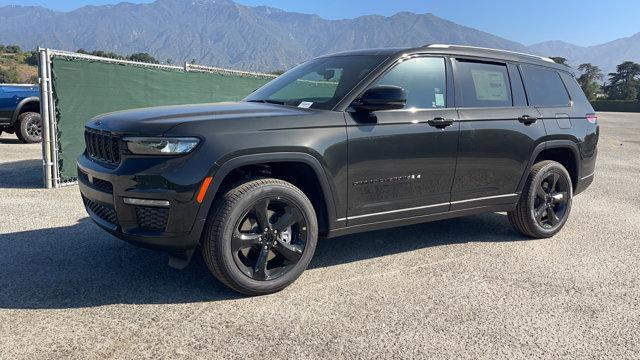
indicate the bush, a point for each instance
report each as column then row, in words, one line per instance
column 9, row 75
column 32, row 58
column 143, row 57
column 12, row 49
column 616, row 105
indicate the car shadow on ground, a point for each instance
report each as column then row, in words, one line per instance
column 10, row 140
column 82, row 266
column 23, row 174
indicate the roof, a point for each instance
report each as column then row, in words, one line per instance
column 462, row 50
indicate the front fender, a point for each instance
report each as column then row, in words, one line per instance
column 219, row 172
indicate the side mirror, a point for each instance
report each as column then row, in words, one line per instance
column 384, row 97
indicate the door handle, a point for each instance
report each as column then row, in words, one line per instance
column 440, row 122
column 527, row 120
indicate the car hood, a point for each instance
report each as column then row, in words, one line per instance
column 158, row 120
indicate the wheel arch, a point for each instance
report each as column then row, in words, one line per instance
column 565, row 152
column 26, row 104
column 323, row 204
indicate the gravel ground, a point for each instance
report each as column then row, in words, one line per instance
column 460, row 288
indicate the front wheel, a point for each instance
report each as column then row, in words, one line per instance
column 260, row 236
column 545, row 203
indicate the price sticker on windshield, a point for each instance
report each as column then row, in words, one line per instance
column 305, row 104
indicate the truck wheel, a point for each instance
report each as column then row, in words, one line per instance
column 545, row 203
column 260, row 236
column 29, row 127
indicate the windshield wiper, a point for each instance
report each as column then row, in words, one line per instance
column 268, row 102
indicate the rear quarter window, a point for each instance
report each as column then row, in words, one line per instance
column 576, row 92
column 544, row 87
column 483, row 84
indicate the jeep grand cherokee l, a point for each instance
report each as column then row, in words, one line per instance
column 341, row 144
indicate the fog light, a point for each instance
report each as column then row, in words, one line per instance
column 146, row 202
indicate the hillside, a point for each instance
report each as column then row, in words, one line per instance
column 223, row 33
column 606, row 55
column 15, row 69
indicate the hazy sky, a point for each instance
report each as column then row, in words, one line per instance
column 585, row 22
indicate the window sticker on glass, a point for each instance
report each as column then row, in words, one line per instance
column 489, row 85
column 305, row 104
column 439, row 100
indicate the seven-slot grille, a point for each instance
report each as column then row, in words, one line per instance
column 102, row 146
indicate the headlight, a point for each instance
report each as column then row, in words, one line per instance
column 161, row 146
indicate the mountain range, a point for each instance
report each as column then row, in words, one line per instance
column 226, row 34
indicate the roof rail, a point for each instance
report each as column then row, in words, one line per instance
column 446, row 46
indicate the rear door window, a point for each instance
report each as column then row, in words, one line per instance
column 483, row 84
column 544, row 87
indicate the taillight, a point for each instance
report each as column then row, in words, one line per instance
column 592, row 118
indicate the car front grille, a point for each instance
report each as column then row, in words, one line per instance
column 105, row 213
column 102, row 146
column 103, row 185
column 98, row 184
column 152, row 218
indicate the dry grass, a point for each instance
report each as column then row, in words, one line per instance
column 26, row 73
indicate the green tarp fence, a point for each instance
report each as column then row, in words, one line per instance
column 84, row 88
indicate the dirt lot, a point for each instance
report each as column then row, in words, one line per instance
column 461, row 288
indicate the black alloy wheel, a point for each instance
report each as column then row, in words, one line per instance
column 269, row 239
column 545, row 202
column 260, row 236
column 550, row 205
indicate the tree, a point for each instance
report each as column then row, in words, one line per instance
column 560, row 60
column 624, row 83
column 32, row 58
column 143, row 57
column 12, row 49
column 101, row 53
column 588, row 80
column 169, row 61
column 193, row 61
column 107, row 54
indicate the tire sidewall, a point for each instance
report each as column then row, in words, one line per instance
column 223, row 242
column 543, row 173
column 22, row 130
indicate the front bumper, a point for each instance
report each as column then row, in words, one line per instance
column 175, row 228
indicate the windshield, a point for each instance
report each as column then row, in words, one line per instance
column 319, row 83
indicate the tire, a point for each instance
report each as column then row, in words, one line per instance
column 285, row 254
column 545, row 203
column 29, row 127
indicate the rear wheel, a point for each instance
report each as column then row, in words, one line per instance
column 545, row 203
column 260, row 236
column 29, row 127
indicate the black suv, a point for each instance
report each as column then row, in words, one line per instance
column 344, row 143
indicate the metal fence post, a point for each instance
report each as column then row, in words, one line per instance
column 53, row 132
column 44, row 111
